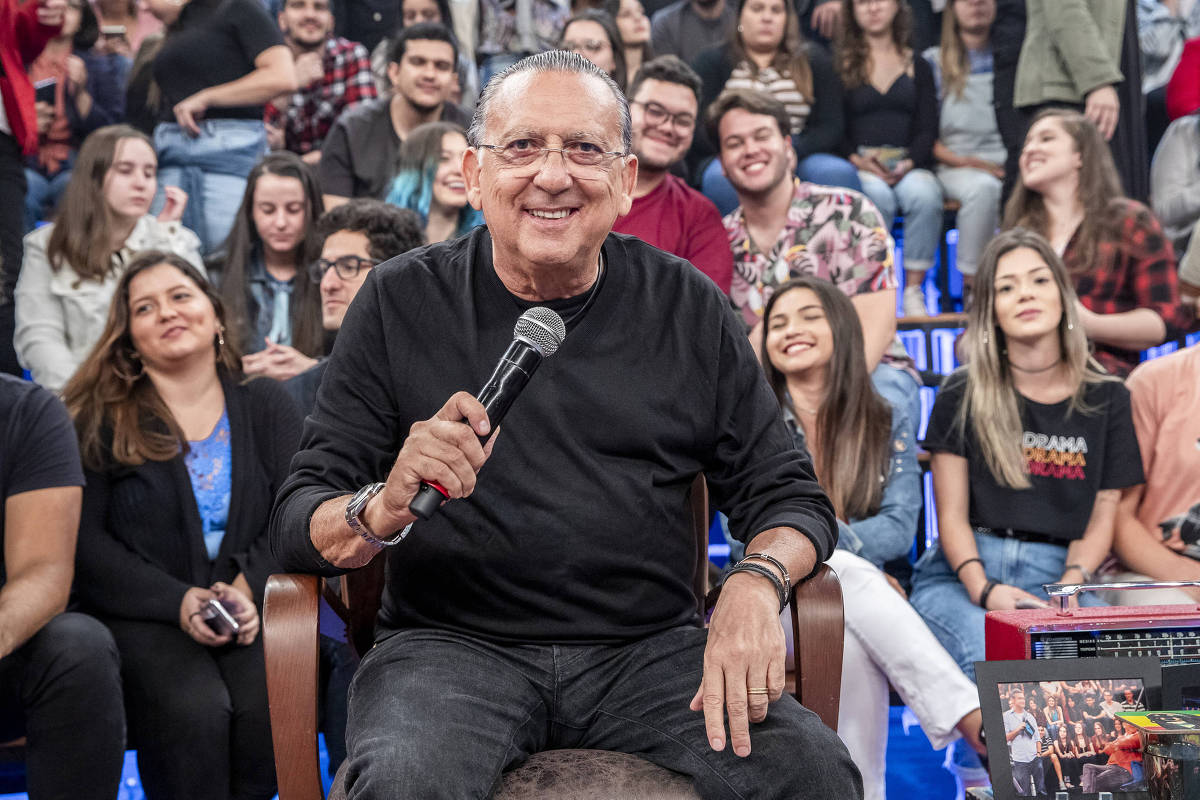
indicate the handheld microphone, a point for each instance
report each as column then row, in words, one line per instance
column 537, row 335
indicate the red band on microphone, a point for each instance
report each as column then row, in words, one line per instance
column 440, row 489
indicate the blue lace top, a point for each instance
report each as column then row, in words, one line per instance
column 210, row 467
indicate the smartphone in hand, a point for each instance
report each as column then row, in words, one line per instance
column 218, row 618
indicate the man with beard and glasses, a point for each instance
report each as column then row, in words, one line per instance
column 334, row 74
column 784, row 228
column 667, row 213
column 687, row 27
column 359, row 155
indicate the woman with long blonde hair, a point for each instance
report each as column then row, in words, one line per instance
column 1120, row 261
column 1032, row 443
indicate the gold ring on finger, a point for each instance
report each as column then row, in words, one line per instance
column 758, row 690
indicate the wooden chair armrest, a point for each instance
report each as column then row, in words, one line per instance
column 290, row 642
column 817, row 630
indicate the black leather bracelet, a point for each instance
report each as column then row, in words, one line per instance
column 977, row 560
column 787, row 579
column 987, row 590
column 769, row 574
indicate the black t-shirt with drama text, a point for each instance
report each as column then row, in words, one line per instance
column 1070, row 457
column 213, row 42
column 37, row 445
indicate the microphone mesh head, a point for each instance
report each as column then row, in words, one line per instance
column 542, row 328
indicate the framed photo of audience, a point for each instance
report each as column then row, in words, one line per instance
column 1052, row 729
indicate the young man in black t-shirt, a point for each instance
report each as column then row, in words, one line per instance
column 59, row 675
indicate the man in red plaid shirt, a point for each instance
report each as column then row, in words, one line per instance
column 333, row 73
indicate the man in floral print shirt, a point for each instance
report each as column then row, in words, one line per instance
column 828, row 232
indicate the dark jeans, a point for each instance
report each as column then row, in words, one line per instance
column 1098, row 778
column 435, row 714
column 1023, row 773
column 62, row 691
column 12, row 225
column 197, row 715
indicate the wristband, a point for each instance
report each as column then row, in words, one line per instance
column 963, row 564
column 987, row 590
column 770, row 575
column 1087, row 576
column 787, row 579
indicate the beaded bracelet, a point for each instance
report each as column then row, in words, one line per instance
column 769, row 574
column 987, row 590
column 787, row 579
column 968, row 561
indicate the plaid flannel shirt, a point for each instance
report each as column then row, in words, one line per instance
column 1134, row 267
column 313, row 109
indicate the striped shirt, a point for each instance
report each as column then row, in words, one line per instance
column 782, row 87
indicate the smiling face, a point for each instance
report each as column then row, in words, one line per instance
column 755, row 154
column 171, row 321
column 425, row 73
column 799, row 338
column 279, row 213
column 633, row 23
column 587, row 38
column 336, row 291
column 762, row 24
column 449, row 190
column 1028, row 302
column 306, row 22
column 664, row 120
column 1050, row 156
column 551, row 214
column 129, row 184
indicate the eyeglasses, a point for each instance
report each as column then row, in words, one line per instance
column 347, row 267
column 579, row 158
column 587, row 45
column 657, row 115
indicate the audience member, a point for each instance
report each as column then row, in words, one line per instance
column 274, row 313
column 1163, row 29
column 812, row 353
column 1189, row 275
column 765, row 53
column 593, row 34
column 220, row 62
column 686, row 28
column 615, row 290
column 1175, row 180
column 1120, row 262
column 60, row 681
column 785, row 228
column 25, row 28
column 429, row 181
column 1099, row 738
column 1031, row 446
column 333, row 74
column 72, row 265
column 143, row 98
column 1086, row 56
column 969, row 150
column 1183, row 90
column 464, row 89
column 634, row 27
column 365, row 21
column 1119, row 770
column 87, row 91
column 666, row 212
column 133, row 17
column 1044, row 751
column 359, row 155
column 511, row 30
column 164, row 425
column 1163, row 394
column 891, row 127
column 1007, row 36
column 1067, row 761
column 357, row 236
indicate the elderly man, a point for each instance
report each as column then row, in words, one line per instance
column 547, row 604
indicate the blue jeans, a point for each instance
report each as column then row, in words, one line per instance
column 820, row 168
column 943, row 602
column 212, row 169
column 918, row 196
column 42, row 193
column 437, row 714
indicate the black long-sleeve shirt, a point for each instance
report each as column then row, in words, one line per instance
column 906, row 115
column 578, row 528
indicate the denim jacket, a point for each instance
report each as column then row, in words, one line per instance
column 889, row 533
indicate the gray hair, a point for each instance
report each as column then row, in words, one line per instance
column 549, row 61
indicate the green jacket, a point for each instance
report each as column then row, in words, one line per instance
column 1071, row 47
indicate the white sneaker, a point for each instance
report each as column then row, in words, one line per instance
column 914, row 302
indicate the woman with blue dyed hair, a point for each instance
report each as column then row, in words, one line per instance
column 429, row 181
